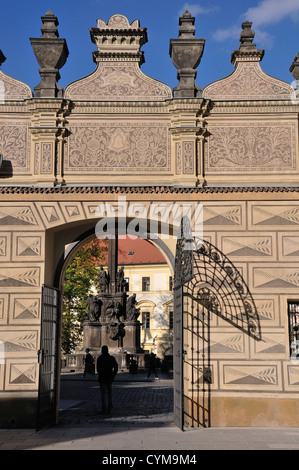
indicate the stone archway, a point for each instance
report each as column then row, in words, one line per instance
column 64, row 234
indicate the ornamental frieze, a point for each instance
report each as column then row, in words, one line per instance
column 13, row 147
column 117, row 146
column 255, row 146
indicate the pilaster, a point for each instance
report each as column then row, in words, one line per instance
column 47, row 139
column 187, row 140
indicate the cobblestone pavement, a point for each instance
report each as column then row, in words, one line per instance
column 140, row 426
column 135, row 400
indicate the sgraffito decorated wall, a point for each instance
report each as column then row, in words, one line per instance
column 232, row 148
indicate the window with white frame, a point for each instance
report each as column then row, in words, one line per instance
column 145, row 284
column 146, row 320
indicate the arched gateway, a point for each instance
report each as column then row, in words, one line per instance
column 118, row 145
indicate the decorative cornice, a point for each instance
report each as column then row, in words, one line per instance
column 49, row 104
column 146, row 106
column 118, row 39
column 252, row 107
column 123, row 31
column 188, row 130
column 144, row 189
column 247, row 56
column 203, row 105
column 123, row 56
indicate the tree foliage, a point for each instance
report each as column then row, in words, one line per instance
column 80, row 276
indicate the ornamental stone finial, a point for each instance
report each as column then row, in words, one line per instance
column 51, row 54
column 294, row 69
column 187, row 28
column 186, row 53
column 246, row 37
column 247, row 50
column 2, row 58
column 49, row 27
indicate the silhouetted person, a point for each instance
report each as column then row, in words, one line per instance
column 107, row 369
column 89, row 363
column 152, row 366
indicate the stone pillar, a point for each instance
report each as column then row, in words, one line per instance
column 188, row 130
column 132, row 337
column 47, row 139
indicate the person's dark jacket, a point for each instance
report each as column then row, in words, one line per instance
column 107, row 368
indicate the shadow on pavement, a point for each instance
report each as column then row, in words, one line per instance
column 135, row 401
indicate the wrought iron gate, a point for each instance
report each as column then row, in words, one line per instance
column 182, row 275
column 196, row 365
column 47, row 357
column 206, row 283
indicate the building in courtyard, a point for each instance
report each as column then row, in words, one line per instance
column 149, row 277
column 118, row 138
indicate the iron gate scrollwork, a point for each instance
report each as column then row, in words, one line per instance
column 224, row 290
column 206, row 282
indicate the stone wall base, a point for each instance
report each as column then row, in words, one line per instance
column 18, row 412
column 255, row 412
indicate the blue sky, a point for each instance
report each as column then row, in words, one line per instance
column 275, row 22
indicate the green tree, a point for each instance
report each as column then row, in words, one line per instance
column 80, row 276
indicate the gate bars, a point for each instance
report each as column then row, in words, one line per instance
column 47, row 358
column 208, row 282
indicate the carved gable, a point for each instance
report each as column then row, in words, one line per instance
column 118, row 76
column 12, row 89
column 118, row 81
column 248, row 82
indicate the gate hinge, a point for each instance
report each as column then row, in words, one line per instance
column 40, row 355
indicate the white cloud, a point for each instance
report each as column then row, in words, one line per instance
column 230, row 33
column 267, row 12
column 272, row 11
column 195, row 9
column 263, row 39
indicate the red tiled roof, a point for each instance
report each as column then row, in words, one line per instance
column 137, row 251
